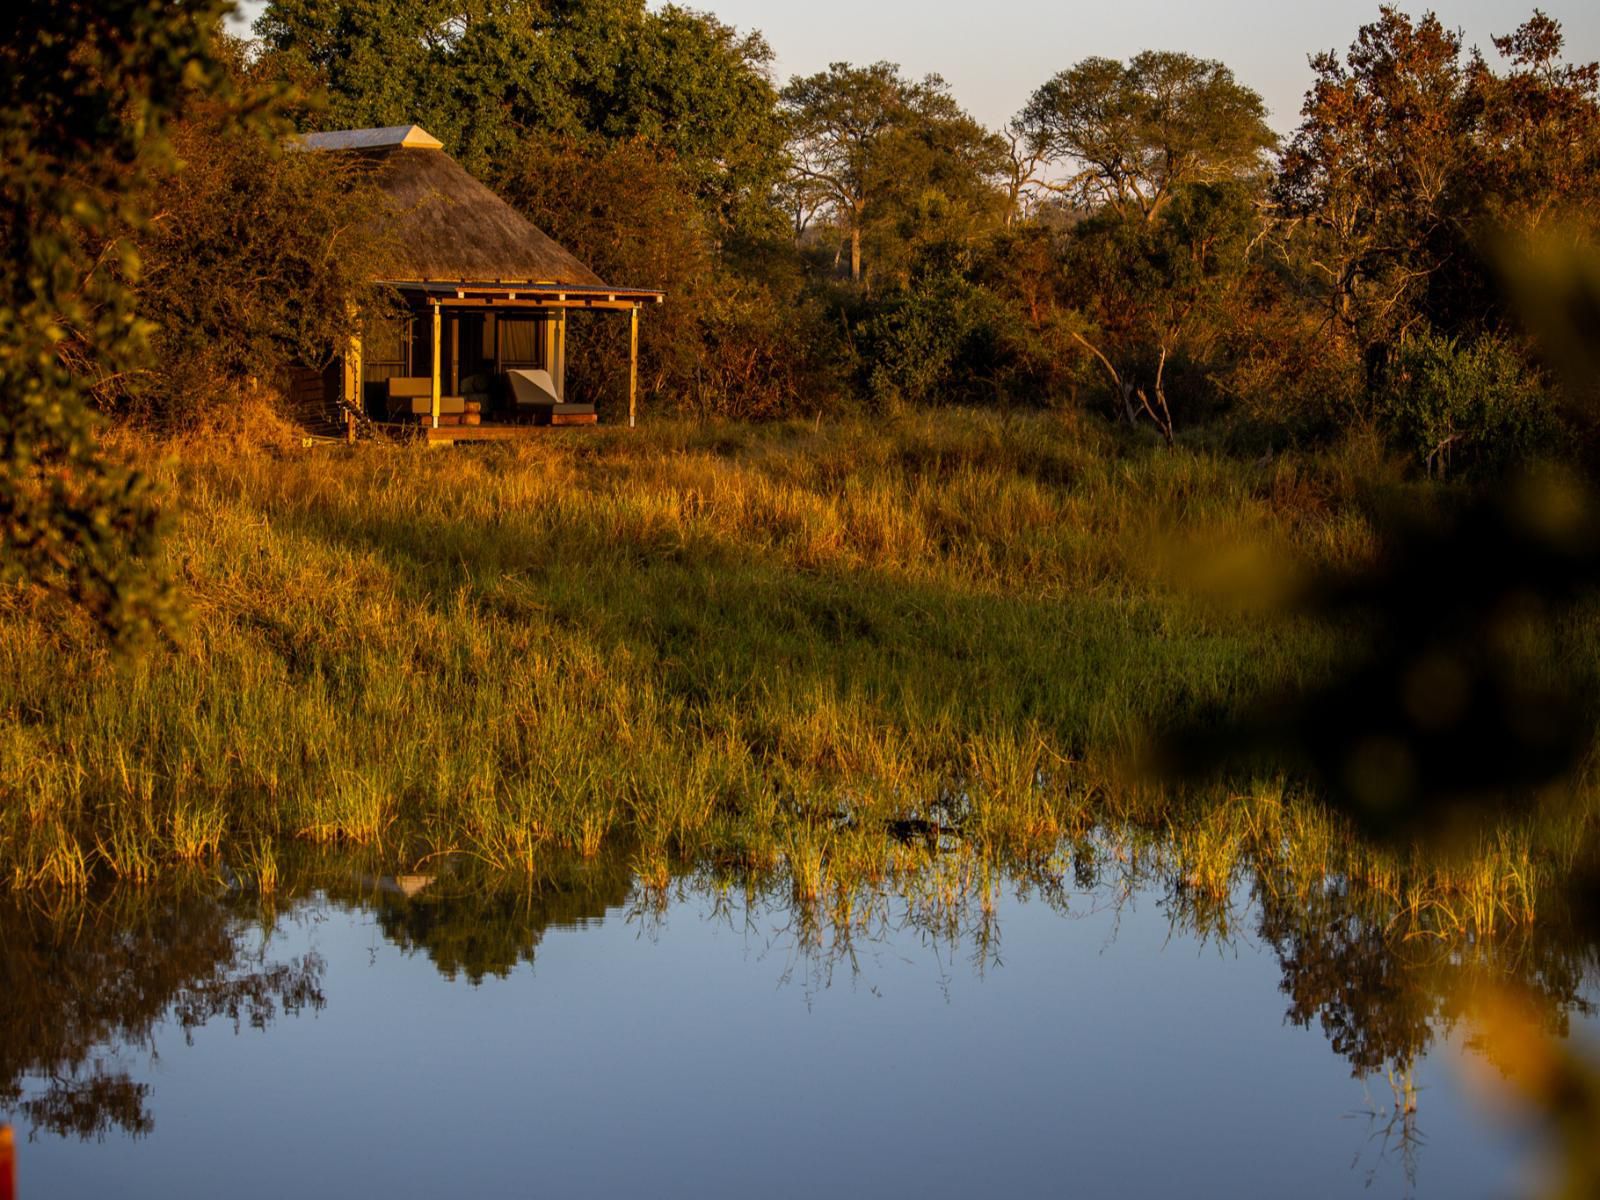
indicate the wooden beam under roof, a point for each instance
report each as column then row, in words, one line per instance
column 460, row 290
column 545, row 305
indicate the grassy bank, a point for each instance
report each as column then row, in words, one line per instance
column 711, row 643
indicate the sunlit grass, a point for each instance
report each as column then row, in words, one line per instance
column 707, row 643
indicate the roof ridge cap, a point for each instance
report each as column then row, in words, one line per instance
column 410, row 137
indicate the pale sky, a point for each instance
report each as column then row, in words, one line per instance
column 994, row 53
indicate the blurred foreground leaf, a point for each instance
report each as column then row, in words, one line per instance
column 1457, row 703
column 1457, row 707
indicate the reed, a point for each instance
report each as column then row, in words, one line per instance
column 260, row 867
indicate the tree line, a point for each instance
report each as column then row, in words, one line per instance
column 1136, row 242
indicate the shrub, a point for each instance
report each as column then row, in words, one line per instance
column 258, row 258
column 944, row 339
column 758, row 358
column 87, row 88
column 1464, row 408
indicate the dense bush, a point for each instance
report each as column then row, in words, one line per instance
column 727, row 342
column 937, row 340
column 87, row 88
column 1279, row 379
column 1464, row 408
column 759, row 358
column 259, row 257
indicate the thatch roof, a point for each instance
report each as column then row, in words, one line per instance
column 448, row 227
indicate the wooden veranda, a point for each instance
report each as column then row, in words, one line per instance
column 455, row 346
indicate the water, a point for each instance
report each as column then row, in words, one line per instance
column 592, row 1038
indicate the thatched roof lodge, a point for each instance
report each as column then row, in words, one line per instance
column 480, row 349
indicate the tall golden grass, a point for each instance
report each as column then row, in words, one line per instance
column 713, row 643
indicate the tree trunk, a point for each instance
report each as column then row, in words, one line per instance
column 855, row 253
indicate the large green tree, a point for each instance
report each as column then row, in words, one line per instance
column 699, row 90
column 472, row 71
column 878, row 153
column 1163, row 164
column 1132, row 135
column 484, row 75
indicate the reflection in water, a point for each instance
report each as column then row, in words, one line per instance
column 1382, row 1000
column 468, row 929
column 81, row 984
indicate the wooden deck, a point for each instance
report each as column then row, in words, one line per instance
column 449, row 435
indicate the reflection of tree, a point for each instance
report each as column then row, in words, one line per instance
column 81, row 984
column 467, row 927
column 1341, row 969
column 1378, row 992
column 1392, row 1129
column 1381, row 998
column 91, row 1104
column 1380, row 989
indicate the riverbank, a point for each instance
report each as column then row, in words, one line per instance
column 726, row 643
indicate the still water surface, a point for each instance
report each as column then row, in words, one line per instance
column 595, row 1039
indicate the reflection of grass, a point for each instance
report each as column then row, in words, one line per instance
column 729, row 645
